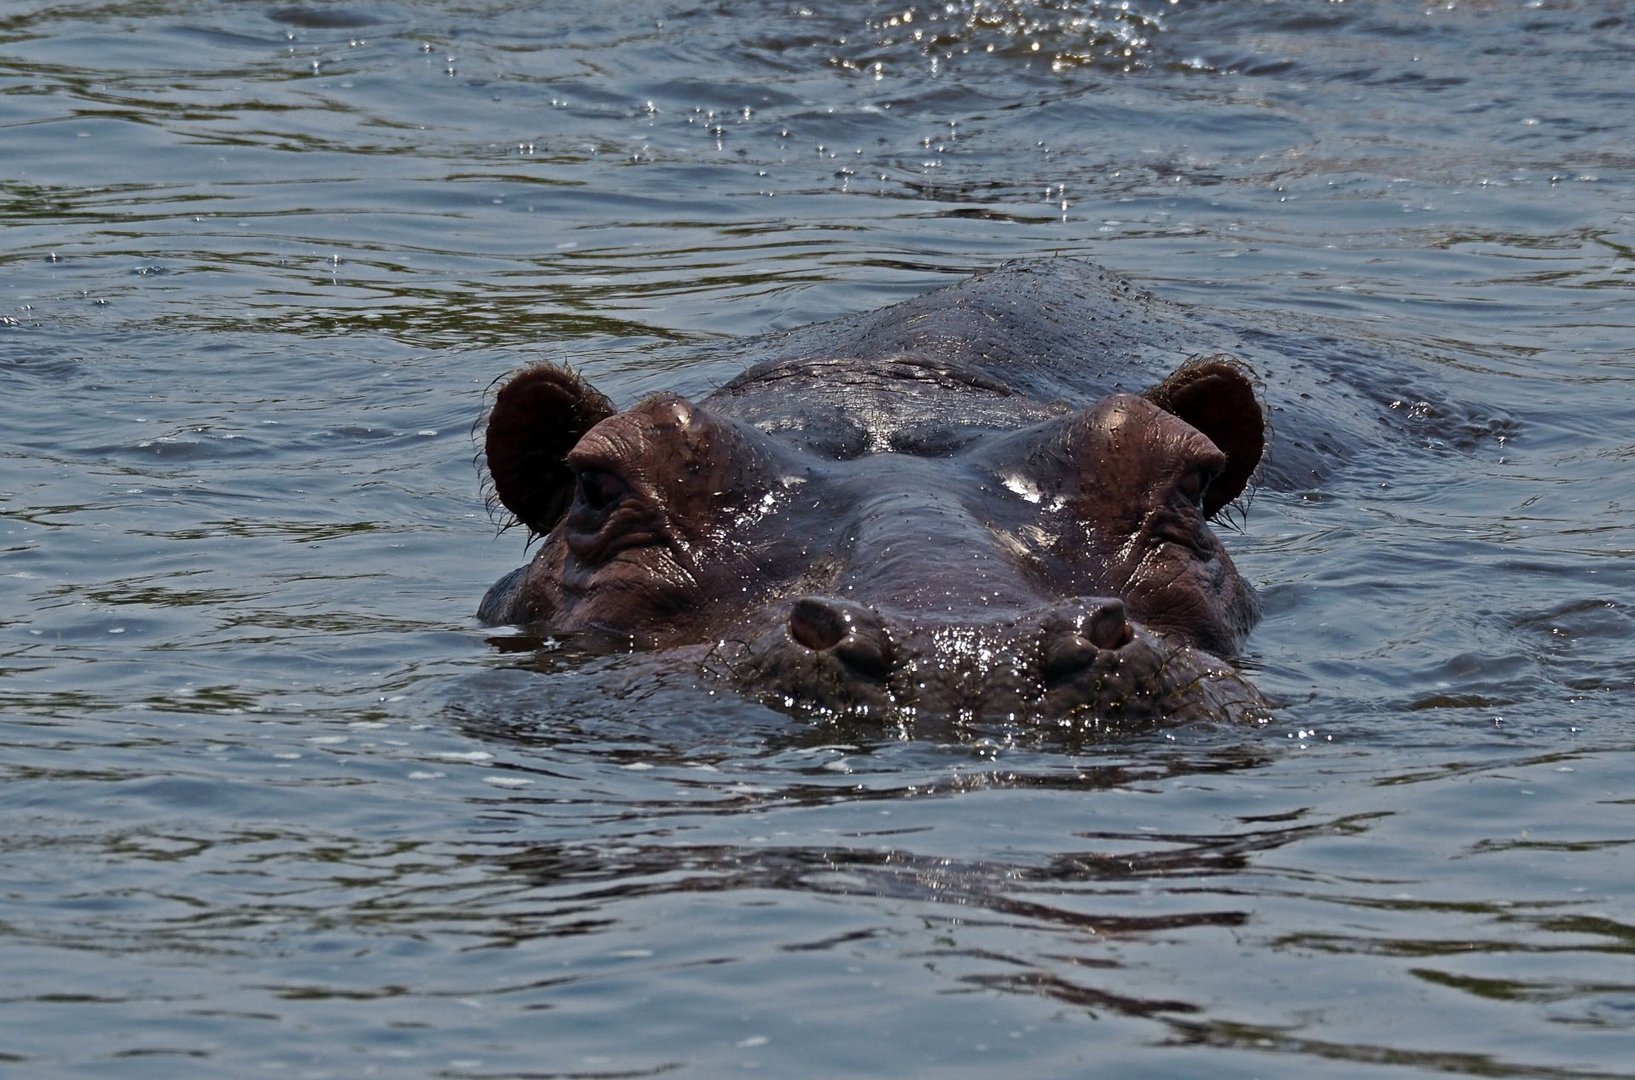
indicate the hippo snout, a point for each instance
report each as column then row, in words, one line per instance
column 1070, row 639
column 1081, row 657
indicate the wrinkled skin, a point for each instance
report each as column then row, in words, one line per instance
column 879, row 523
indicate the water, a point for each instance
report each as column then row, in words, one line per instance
column 276, row 805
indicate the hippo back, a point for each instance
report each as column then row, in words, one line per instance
column 1057, row 333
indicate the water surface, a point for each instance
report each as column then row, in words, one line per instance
column 275, row 804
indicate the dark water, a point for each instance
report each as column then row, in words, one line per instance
column 274, row 805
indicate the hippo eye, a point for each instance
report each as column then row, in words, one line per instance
column 1193, row 484
column 599, row 489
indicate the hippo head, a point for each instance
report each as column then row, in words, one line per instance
column 997, row 559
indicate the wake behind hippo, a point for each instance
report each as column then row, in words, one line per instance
column 991, row 502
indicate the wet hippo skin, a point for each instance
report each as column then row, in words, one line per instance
column 994, row 500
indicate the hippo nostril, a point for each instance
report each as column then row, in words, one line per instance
column 1109, row 627
column 1074, row 647
column 818, row 624
column 1067, row 654
column 850, row 632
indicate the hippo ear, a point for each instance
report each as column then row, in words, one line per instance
column 537, row 418
column 1216, row 395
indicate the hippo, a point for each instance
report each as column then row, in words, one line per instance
column 993, row 501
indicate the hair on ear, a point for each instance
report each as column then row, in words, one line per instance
column 1216, row 395
column 538, row 416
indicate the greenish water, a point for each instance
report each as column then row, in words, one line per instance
column 276, row 805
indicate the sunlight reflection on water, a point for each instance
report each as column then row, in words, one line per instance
column 265, row 776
